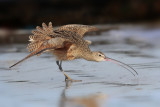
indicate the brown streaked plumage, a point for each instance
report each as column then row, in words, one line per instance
column 66, row 43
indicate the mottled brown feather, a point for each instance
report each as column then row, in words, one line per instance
column 50, row 27
column 44, row 26
column 40, row 35
column 38, row 28
column 35, row 32
column 79, row 29
column 63, row 42
column 64, row 53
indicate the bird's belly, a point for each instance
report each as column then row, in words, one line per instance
column 63, row 55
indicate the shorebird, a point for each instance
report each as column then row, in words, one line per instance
column 66, row 43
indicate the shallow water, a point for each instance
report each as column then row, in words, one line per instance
column 38, row 83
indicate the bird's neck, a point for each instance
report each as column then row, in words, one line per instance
column 88, row 56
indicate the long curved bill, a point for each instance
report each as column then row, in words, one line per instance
column 129, row 68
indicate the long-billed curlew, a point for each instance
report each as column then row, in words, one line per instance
column 66, row 43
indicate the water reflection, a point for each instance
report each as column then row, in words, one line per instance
column 94, row 100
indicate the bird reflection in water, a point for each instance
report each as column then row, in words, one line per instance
column 94, row 100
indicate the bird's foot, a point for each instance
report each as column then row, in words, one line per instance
column 67, row 78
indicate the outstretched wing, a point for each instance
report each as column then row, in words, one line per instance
column 77, row 28
column 51, row 44
column 40, row 35
column 41, row 41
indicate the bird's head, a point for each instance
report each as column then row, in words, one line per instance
column 98, row 56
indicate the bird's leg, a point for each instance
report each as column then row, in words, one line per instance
column 59, row 63
column 67, row 78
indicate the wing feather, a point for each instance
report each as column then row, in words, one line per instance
column 42, row 42
column 79, row 29
column 51, row 44
column 40, row 35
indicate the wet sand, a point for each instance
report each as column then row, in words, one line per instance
column 38, row 82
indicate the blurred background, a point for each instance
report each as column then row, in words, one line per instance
column 129, row 31
column 27, row 14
